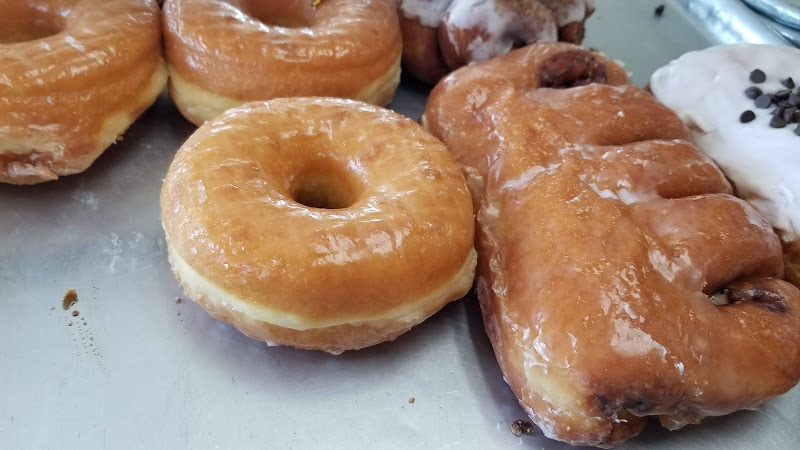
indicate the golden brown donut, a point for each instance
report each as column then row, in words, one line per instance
column 74, row 75
column 440, row 36
column 318, row 223
column 617, row 276
column 222, row 53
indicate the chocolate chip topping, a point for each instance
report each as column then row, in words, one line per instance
column 758, row 76
column 772, row 301
column 782, row 94
column 659, row 11
column 777, row 122
column 571, row 68
column 753, row 92
column 763, row 101
column 789, row 114
column 785, row 103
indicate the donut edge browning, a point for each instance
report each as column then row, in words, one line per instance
column 199, row 105
column 277, row 328
column 201, row 96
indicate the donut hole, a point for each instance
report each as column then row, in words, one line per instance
column 572, row 68
column 518, row 43
column 325, row 184
column 23, row 23
column 286, row 14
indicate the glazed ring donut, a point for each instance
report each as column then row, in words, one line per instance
column 75, row 75
column 223, row 53
column 318, row 223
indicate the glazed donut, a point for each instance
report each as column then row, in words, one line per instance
column 318, row 223
column 618, row 277
column 440, row 36
column 707, row 90
column 75, row 74
column 223, row 53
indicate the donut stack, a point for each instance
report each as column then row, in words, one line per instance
column 222, row 54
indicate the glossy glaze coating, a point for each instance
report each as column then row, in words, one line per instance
column 223, row 53
column 75, row 74
column 385, row 243
column 604, row 237
column 440, row 36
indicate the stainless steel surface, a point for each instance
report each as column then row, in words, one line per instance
column 631, row 32
column 136, row 369
column 729, row 22
column 785, row 12
column 790, row 34
column 778, row 18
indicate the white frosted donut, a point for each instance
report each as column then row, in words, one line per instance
column 223, row 53
column 318, row 223
column 706, row 88
column 73, row 76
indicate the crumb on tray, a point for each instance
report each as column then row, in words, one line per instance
column 520, row 427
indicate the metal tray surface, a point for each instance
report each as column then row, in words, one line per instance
column 137, row 369
column 786, row 12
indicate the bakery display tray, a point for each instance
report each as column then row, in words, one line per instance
column 134, row 364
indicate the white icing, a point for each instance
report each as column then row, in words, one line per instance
column 706, row 89
column 428, row 12
column 671, row 268
column 602, row 193
column 624, row 195
column 200, row 191
column 74, row 43
column 502, row 29
column 632, row 341
column 477, row 97
column 527, row 177
column 53, row 127
column 380, row 243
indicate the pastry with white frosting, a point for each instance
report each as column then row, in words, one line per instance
column 709, row 90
